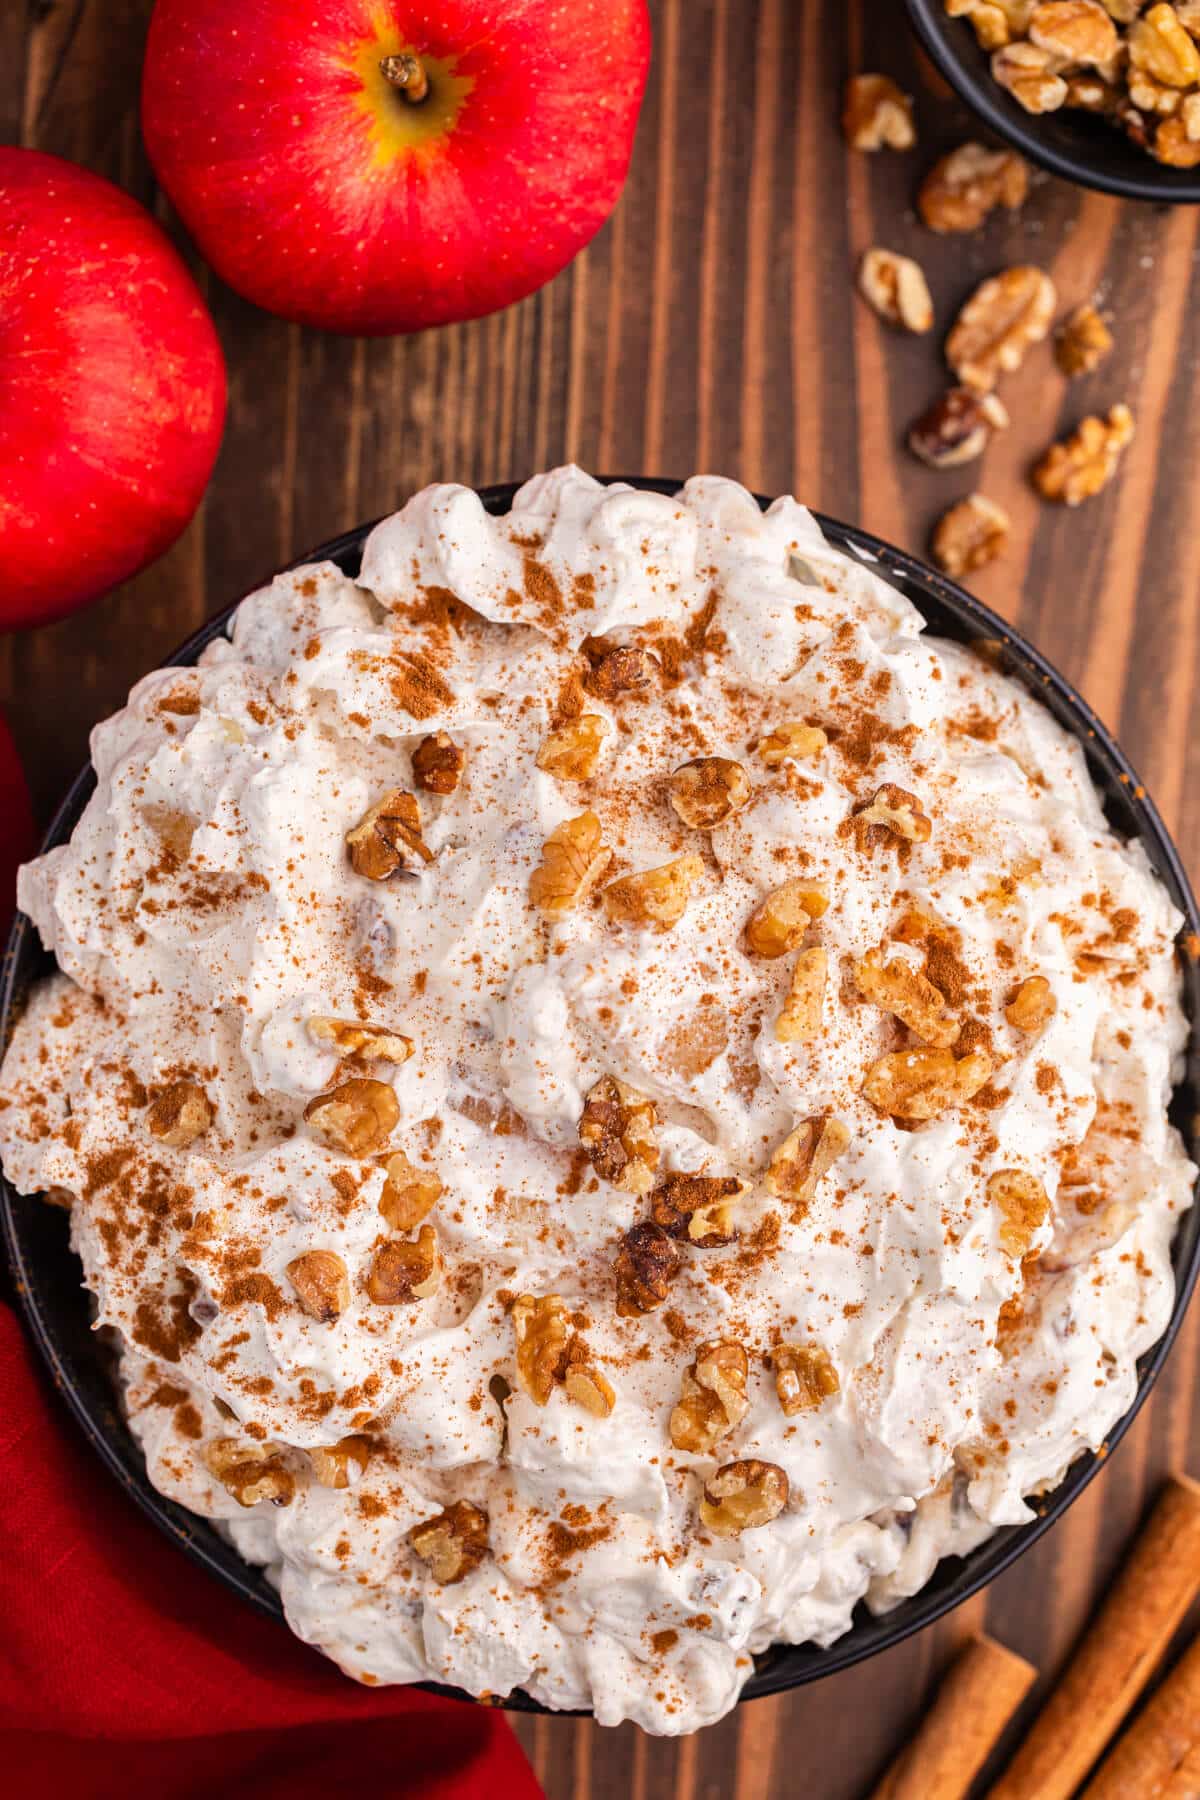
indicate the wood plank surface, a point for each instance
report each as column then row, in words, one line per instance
column 712, row 325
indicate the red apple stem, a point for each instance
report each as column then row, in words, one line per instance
column 406, row 72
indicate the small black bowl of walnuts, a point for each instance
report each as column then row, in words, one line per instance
column 1101, row 92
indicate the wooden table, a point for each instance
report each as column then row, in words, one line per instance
column 712, row 325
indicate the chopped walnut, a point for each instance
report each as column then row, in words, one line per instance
column 574, row 857
column 616, row 1128
column 387, row 839
column 708, row 791
column 179, row 1114
column 541, row 1330
column 402, row 1272
column 962, row 188
column 799, row 1019
column 742, row 1496
column 573, row 751
column 957, row 428
column 995, row 22
column 357, row 1116
column 1177, row 141
column 1160, row 46
column 1089, row 93
column 806, row 1154
column 1003, row 317
column 1030, row 76
column 804, row 1376
column 915, row 1085
column 351, row 1037
column 712, row 1398
column 792, row 742
column 1032, row 1005
column 1023, row 1205
column 905, row 992
column 322, row 1284
column 1074, row 31
column 698, row 1208
column 895, row 286
column 615, row 669
column 453, row 1542
column 585, row 1385
column 1082, row 341
column 340, row 1465
column 892, row 812
column 1146, row 95
column 656, row 897
column 1077, row 468
column 438, row 763
column 876, row 114
column 646, row 1264
column 409, row 1193
column 970, row 535
column 249, row 1471
column 779, row 922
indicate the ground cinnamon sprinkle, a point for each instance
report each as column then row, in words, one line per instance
column 163, row 1325
column 417, row 687
column 253, row 1290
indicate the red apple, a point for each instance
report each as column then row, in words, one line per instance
column 112, row 388
column 382, row 165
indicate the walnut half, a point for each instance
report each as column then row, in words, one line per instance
column 891, row 812
column 453, row 1542
column 876, row 114
column 712, row 1398
column 895, row 287
column 357, row 1116
column 743, row 1495
column 574, row 857
column 1002, row 318
column 645, row 1265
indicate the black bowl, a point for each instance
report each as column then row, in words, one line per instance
column 1076, row 145
column 55, row 1304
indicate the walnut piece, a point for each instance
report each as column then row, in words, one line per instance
column 402, row 1272
column 573, row 751
column 1032, row 1005
column 1082, row 341
column 1074, row 31
column 249, row 1471
column 895, row 286
column 322, row 1284
column 742, row 1496
column 340, row 1465
column 615, row 669
column 353, row 1037
column 708, row 791
column 646, row 1264
column 387, row 840
column 1177, row 141
column 915, row 1085
column 962, row 188
column 698, row 1208
column 957, row 428
column 995, row 22
column 656, row 897
column 179, row 1114
column 909, row 995
column 574, row 857
column 779, row 922
column 585, row 1385
column 969, row 535
column 1023, row 1204
column 357, row 1116
column 1003, row 317
column 1160, row 47
column 892, row 812
column 712, row 1398
column 541, row 1330
column 1083, row 464
column 409, row 1193
column 792, row 742
column 1031, row 76
column 799, row 1020
column 616, row 1129
column 807, row 1153
column 804, row 1376
column 876, row 114
column 453, row 1542
column 438, row 763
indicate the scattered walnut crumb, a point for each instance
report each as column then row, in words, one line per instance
column 896, row 288
column 877, row 115
column 962, row 188
column 1080, row 466
column 1082, row 341
column 970, row 535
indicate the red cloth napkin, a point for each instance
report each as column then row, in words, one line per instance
column 125, row 1671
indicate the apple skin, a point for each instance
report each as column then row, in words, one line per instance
column 112, row 388
column 322, row 194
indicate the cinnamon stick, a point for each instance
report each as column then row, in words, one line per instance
column 1116, row 1655
column 1160, row 1753
column 976, row 1700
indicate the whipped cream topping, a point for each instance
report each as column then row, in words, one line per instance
column 207, row 915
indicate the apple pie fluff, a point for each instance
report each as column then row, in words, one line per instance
column 612, row 1093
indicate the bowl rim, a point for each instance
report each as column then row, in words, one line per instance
column 954, row 1579
column 1160, row 185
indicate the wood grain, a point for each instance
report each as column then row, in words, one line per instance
column 712, row 325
